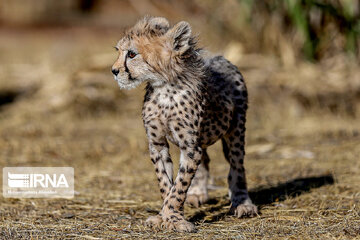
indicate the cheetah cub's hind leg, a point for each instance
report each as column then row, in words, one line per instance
column 233, row 146
column 198, row 192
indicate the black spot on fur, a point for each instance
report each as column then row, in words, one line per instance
column 235, row 153
column 180, row 191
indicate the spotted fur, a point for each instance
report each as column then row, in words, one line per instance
column 192, row 101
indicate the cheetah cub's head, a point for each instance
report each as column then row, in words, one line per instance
column 152, row 51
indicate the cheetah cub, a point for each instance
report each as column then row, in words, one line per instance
column 192, row 101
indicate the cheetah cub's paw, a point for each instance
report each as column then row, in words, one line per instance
column 179, row 226
column 176, row 222
column 246, row 209
column 196, row 199
column 154, row 222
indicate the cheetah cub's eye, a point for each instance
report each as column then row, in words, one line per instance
column 131, row 54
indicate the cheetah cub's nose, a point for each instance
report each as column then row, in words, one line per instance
column 115, row 71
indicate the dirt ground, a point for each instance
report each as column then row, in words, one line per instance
column 61, row 107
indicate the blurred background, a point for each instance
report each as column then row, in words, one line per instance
column 306, row 50
column 59, row 104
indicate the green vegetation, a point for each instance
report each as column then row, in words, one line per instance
column 316, row 21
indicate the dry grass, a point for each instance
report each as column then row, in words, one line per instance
column 303, row 165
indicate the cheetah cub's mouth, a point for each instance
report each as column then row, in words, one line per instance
column 127, row 83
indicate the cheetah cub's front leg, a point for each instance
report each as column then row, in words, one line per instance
column 171, row 215
column 160, row 157
column 172, row 211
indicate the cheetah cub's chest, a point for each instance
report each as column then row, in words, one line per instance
column 171, row 109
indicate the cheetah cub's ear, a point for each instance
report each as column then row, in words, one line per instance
column 180, row 36
column 159, row 24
